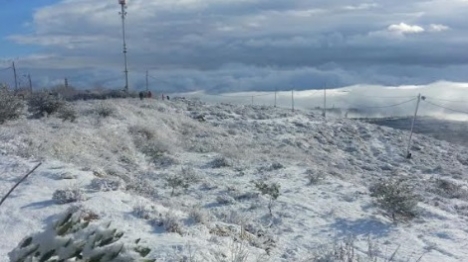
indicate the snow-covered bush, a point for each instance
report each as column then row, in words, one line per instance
column 177, row 182
column 450, row 189
column 169, row 221
column 64, row 196
column 107, row 184
column 143, row 211
column 199, row 216
column 76, row 237
column 67, row 113
column 397, row 197
column 314, row 177
column 225, row 199
column 272, row 190
column 344, row 251
column 221, row 162
column 11, row 106
column 276, row 166
column 104, row 110
column 42, row 103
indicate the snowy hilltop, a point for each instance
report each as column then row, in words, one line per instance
column 182, row 180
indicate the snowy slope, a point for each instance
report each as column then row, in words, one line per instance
column 145, row 143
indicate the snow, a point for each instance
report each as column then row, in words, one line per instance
column 121, row 164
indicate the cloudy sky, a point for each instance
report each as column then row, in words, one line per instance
column 237, row 45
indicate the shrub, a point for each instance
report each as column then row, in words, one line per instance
column 44, row 103
column 11, row 106
column 450, row 189
column 272, row 190
column 169, row 221
column 221, row 162
column 76, row 237
column 199, row 216
column 104, row 110
column 397, row 197
column 176, row 182
column 67, row 113
column 108, row 184
column 143, row 211
column 64, row 196
column 225, row 199
column 276, row 166
column 314, row 177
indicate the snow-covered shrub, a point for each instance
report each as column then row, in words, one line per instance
column 67, row 175
column 314, row 177
column 104, row 110
column 67, row 113
column 64, row 196
column 42, row 103
column 11, row 106
column 154, row 147
column 397, row 197
column 176, row 182
column 208, row 185
column 237, row 252
column 345, row 252
column 143, row 211
column 165, row 160
column 276, row 166
column 450, row 189
column 170, row 222
column 141, row 132
column 272, row 190
column 75, row 237
column 199, row 216
column 221, row 162
column 107, row 184
column 225, row 199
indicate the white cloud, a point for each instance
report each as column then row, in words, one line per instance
column 438, row 28
column 362, row 6
column 403, row 28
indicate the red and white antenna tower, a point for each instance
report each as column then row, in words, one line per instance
column 123, row 4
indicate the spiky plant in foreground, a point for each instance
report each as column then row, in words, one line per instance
column 75, row 236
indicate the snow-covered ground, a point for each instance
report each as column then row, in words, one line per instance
column 122, row 163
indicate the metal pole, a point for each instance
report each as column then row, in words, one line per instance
column 276, row 90
column 408, row 154
column 324, row 102
column 147, row 81
column 16, row 78
column 30, row 83
column 123, row 13
column 292, row 99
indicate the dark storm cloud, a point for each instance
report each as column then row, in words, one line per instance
column 190, row 44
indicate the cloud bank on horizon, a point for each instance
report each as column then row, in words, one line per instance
column 263, row 45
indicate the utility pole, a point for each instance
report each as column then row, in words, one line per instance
column 30, row 84
column 147, row 88
column 16, row 78
column 324, row 102
column 123, row 14
column 66, row 84
column 408, row 153
column 292, row 99
column 276, row 90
